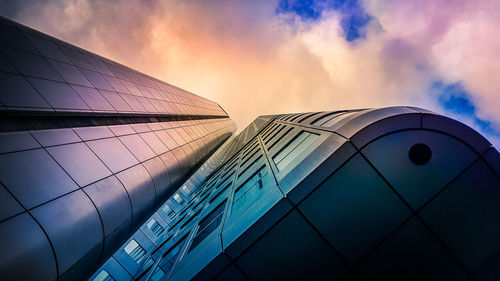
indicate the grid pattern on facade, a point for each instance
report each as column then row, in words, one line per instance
column 107, row 179
column 42, row 73
column 89, row 148
column 358, row 193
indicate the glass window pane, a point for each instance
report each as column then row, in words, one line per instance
column 291, row 150
column 155, row 227
column 103, row 276
column 135, row 251
column 208, row 224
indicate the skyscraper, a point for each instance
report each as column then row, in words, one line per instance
column 377, row 194
column 88, row 149
column 102, row 165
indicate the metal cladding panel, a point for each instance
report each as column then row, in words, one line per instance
column 72, row 225
column 43, row 73
column 339, row 197
column 160, row 175
column 59, row 95
column 87, row 169
column 86, row 152
column 113, row 153
column 112, row 202
column 465, row 210
column 397, row 193
column 446, row 164
column 138, row 147
column 33, row 177
column 15, row 141
column 18, row 92
column 414, row 254
column 9, row 207
column 26, row 252
column 87, row 180
column 139, row 186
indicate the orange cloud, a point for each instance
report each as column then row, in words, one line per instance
column 254, row 61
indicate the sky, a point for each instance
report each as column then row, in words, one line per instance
column 281, row 56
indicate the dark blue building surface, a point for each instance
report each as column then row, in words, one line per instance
column 396, row 193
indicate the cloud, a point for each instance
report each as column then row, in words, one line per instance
column 456, row 101
column 265, row 57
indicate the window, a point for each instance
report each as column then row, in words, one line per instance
column 220, row 192
column 324, row 118
column 179, row 199
column 168, row 210
column 284, row 116
column 251, row 193
column 208, row 224
column 186, row 190
column 191, row 219
column 336, row 119
column 232, row 166
column 331, row 118
column 157, row 274
column 250, row 166
column 255, row 179
column 172, row 253
column 295, row 117
column 246, row 160
column 249, row 149
column 279, row 139
column 135, row 251
column 103, row 276
column 307, row 116
column 268, row 129
column 268, row 136
column 155, row 227
column 293, row 149
column 227, row 176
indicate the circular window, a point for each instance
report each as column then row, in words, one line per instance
column 420, row 154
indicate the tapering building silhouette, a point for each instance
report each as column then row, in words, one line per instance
column 88, row 149
column 109, row 174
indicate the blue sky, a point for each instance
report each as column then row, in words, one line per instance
column 266, row 57
column 452, row 98
column 354, row 17
column 455, row 100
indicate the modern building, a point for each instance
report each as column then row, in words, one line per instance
column 88, row 150
column 169, row 193
column 377, row 194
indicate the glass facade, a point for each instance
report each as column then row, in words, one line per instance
column 109, row 174
column 89, row 149
column 335, row 196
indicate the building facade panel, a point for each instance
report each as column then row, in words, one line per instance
column 335, row 195
column 86, row 153
column 104, row 165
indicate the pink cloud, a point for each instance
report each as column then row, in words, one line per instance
column 254, row 61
